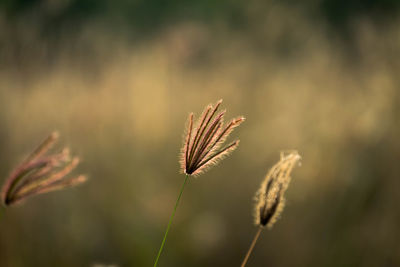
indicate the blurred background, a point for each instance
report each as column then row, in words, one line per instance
column 118, row 80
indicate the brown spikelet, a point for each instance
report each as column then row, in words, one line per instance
column 43, row 147
column 270, row 197
column 40, row 173
column 202, row 146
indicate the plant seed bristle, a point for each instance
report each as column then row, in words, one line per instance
column 202, row 147
column 41, row 173
column 270, row 196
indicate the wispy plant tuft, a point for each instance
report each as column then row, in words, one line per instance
column 40, row 173
column 270, row 198
column 202, row 149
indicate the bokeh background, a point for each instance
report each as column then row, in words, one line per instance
column 118, row 80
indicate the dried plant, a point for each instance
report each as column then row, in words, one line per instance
column 202, row 149
column 41, row 173
column 270, row 198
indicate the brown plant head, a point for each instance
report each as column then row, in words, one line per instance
column 270, row 198
column 202, row 146
column 41, row 173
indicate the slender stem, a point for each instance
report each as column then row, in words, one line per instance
column 170, row 220
column 251, row 246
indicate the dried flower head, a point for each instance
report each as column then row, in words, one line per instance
column 270, row 197
column 202, row 147
column 41, row 173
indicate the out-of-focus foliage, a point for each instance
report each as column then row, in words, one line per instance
column 150, row 15
column 118, row 79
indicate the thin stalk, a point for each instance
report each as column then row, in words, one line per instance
column 170, row 220
column 252, row 246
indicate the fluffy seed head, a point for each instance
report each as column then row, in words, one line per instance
column 202, row 146
column 270, row 197
column 40, row 173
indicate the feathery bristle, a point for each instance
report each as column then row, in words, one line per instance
column 40, row 173
column 201, row 148
column 216, row 157
column 270, row 196
column 185, row 151
column 43, row 147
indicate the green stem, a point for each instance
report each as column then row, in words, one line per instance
column 170, row 220
column 251, row 247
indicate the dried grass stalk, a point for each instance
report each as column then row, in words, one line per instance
column 202, row 149
column 270, row 196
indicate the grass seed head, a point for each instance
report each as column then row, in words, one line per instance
column 40, row 173
column 203, row 142
column 270, row 198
